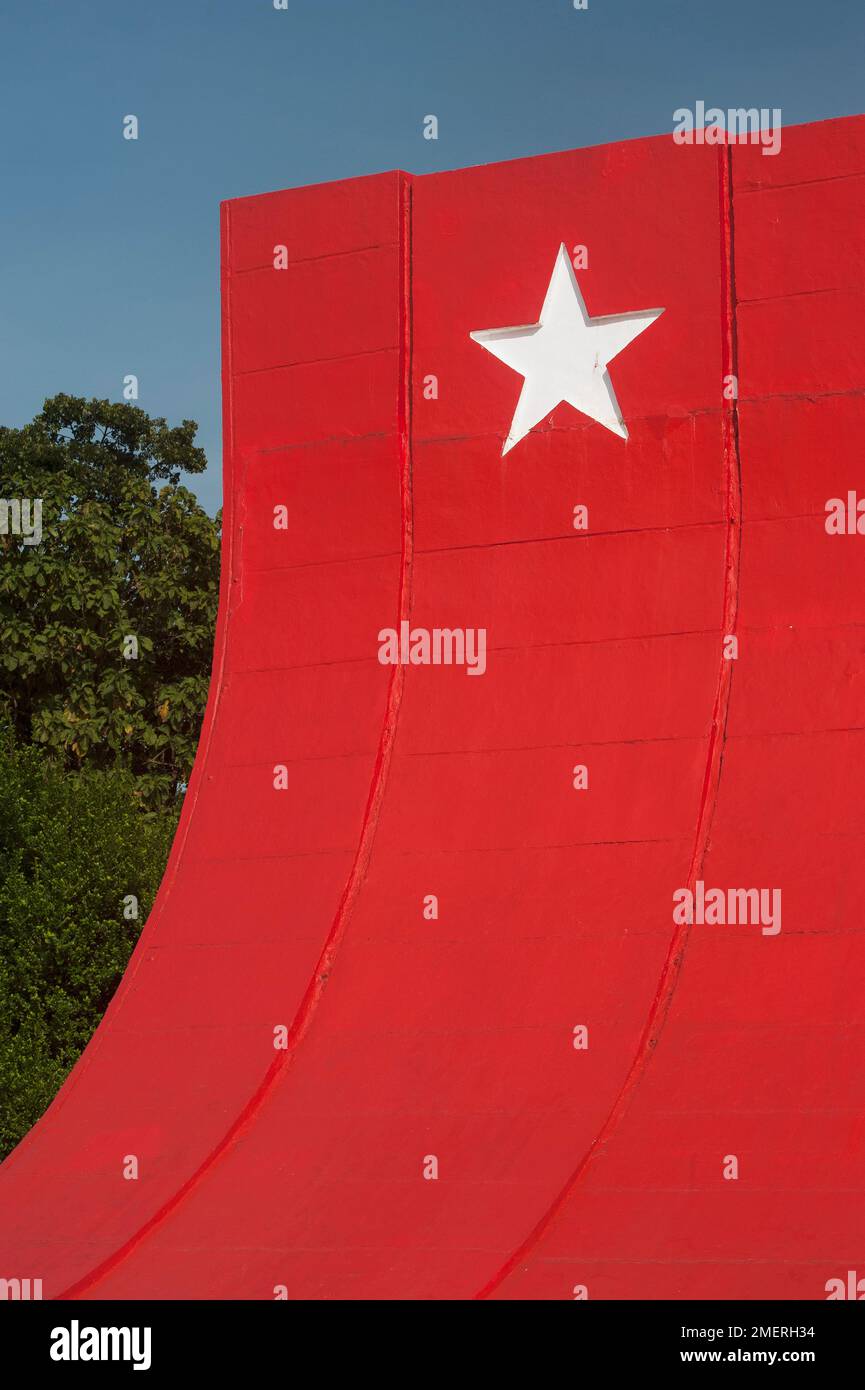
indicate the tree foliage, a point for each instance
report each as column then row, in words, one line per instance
column 94, row 746
column 126, row 552
column 72, row 848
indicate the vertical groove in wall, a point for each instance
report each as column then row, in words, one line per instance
column 318, row 983
column 731, row 465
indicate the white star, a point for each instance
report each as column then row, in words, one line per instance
column 565, row 356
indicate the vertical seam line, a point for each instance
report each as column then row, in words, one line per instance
column 671, row 972
column 318, row 983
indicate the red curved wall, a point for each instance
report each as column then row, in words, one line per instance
column 558, row 1167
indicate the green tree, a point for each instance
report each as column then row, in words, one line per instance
column 94, row 740
column 72, row 849
column 126, row 553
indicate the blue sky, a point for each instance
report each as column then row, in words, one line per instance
column 109, row 248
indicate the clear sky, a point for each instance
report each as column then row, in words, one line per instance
column 109, row 248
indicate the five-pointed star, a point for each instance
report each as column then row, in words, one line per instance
column 565, row 356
